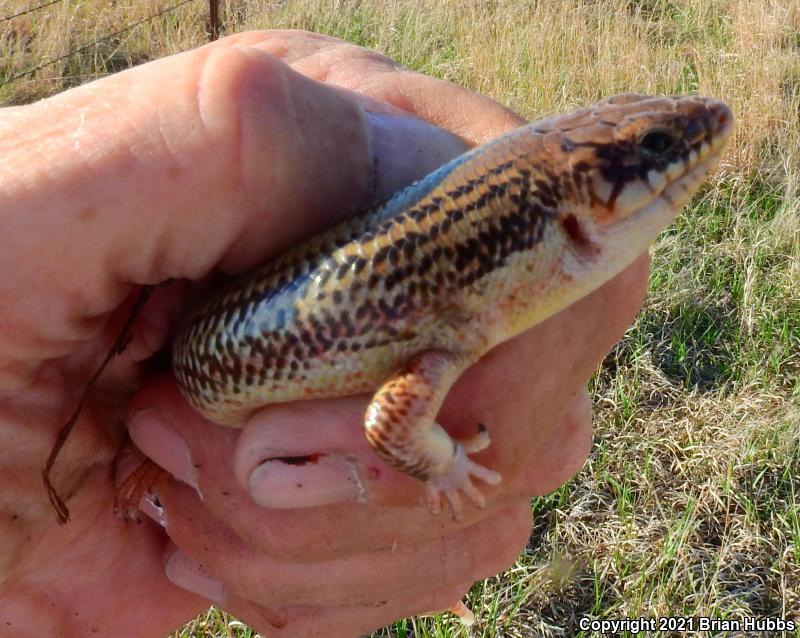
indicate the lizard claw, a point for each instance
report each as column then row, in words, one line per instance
column 464, row 613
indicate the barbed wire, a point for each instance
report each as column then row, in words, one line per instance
column 29, row 10
column 93, row 43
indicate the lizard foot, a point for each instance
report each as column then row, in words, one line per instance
column 459, row 478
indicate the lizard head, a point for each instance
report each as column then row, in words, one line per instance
column 635, row 156
column 601, row 183
column 624, row 168
column 630, row 151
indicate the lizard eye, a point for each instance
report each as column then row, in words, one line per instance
column 657, row 143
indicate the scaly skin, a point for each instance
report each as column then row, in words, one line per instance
column 405, row 296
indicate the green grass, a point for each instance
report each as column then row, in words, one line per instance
column 689, row 502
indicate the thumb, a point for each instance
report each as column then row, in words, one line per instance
column 221, row 156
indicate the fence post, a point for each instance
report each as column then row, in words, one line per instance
column 213, row 19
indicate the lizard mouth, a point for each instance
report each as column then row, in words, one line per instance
column 651, row 219
column 678, row 193
column 703, row 158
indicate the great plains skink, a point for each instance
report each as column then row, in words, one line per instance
column 402, row 298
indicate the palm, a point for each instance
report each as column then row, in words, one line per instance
column 94, row 542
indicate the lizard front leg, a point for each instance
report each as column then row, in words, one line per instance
column 401, row 427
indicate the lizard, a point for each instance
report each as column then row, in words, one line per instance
column 402, row 298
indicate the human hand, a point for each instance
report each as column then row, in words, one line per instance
column 312, row 564
column 120, row 183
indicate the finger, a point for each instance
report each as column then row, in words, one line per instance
column 314, row 453
column 311, row 454
column 465, row 555
column 320, row 447
column 201, row 455
column 304, row 620
column 332, row 622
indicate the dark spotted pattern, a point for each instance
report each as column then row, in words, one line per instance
column 335, row 314
column 459, row 237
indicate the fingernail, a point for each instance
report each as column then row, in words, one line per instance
column 163, row 445
column 406, row 148
column 308, row 481
column 188, row 574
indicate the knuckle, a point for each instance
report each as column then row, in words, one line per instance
column 243, row 97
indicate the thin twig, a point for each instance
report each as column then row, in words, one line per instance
column 117, row 347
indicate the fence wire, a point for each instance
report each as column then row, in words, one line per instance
column 30, row 10
column 87, row 45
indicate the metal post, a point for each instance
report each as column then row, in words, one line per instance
column 213, row 19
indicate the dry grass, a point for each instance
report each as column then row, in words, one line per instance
column 689, row 503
